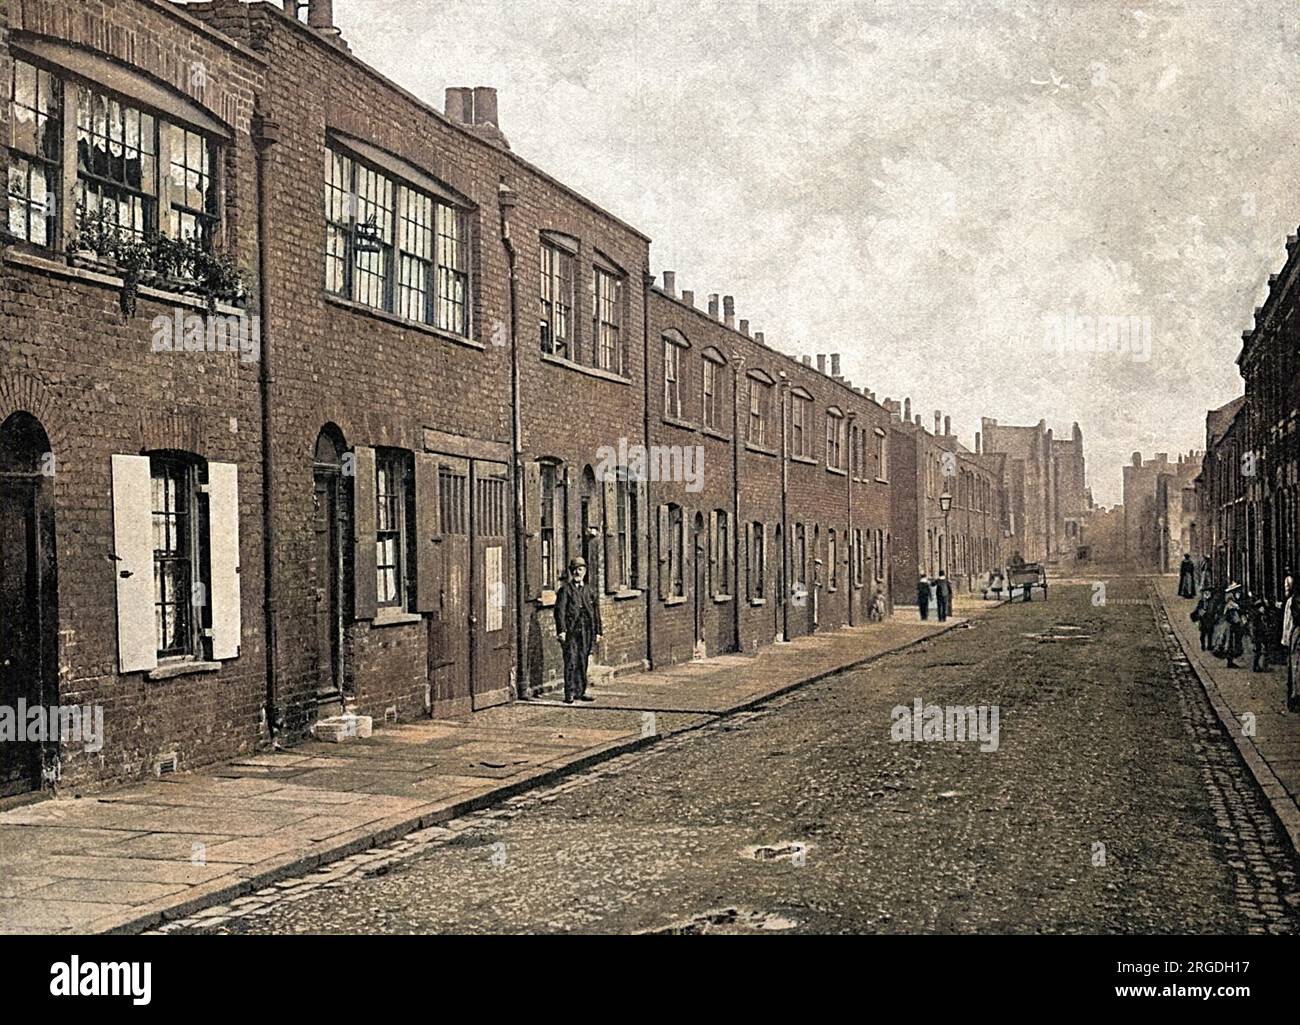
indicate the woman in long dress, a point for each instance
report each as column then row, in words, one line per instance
column 1187, row 578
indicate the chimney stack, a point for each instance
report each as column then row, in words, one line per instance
column 918, row 419
column 729, row 310
column 907, row 410
column 938, row 418
column 688, row 297
column 670, row 282
column 979, row 451
column 460, row 105
column 835, row 364
column 744, row 328
column 320, row 14
column 947, row 426
column 485, row 106
column 807, row 361
column 713, row 306
column 476, row 108
column 821, row 363
column 758, row 337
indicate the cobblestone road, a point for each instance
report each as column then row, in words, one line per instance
column 1112, row 804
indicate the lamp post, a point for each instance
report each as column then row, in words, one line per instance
column 945, row 506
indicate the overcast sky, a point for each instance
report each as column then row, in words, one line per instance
column 925, row 188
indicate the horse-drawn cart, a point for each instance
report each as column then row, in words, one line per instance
column 1026, row 576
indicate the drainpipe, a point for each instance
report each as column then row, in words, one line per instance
column 737, row 364
column 848, row 497
column 506, row 201
column 784, row 395
column 266, row 133
column 648, row 279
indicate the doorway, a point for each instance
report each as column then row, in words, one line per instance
column 28, row 592
column 329, row 527
column 700, row 588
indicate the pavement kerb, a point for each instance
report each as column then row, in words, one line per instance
column 1284, row 808
column 271, row 870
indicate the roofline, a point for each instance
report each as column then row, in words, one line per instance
column 439, row 115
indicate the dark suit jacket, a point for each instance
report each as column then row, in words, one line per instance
column 570, row 605
column 943, row 590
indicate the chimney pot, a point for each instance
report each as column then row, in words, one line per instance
column 485, row 106
column 729, row 310
column 744, row 328
column 688, row 297
column 835, row 364
column 670, row 282
column 907, row 410
column 821, row 363
column 807, row 361
column 320, row 13
column 758, row 337
column 713, row 305
column 460, row 105
column 947, row 425
column 938, row 419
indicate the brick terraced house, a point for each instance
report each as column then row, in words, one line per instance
column 309, row 391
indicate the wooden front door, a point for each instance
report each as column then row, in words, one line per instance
column 327, row 591
column 700, row 585
column 491, row 637
column 449, row 622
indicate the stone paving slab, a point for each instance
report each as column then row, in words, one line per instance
column 1273, row 751
column 124, row 860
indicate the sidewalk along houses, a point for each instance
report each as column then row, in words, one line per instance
column 130, row 472
column 370, row 507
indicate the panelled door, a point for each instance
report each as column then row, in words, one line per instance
column 449, row 658
column 491, row 637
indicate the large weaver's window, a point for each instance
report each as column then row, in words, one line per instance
column 392, row 492
column 760, row 409
column 117, row 163
column 672, row 378
column 35, row 100
column 557, row 300
column 395, row 248
column 834, row 441
column 191, row 185
column 607, row 319
column 800, row 414
column 176, row 564
column 709, row 401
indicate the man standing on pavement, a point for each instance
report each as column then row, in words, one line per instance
column 943, row 594
column 923, row 595
column 577, row 628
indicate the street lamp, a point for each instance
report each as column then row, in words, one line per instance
column 945, row 505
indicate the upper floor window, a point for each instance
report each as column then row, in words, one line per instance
column 800, row 414
column 760, row 411
column 394, row 247
column 35, row 143
column 556, row 298
column 672, row 378
column 607, row 318
column 834, row 439
column 709, row 412
column 882, row 455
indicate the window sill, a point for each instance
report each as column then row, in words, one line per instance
column 394, row 617
column 546, row 599
column 396, row 321
column 168, row 670
column 678, row 600
column 684, row 425
column 837, row 471
column 756, row 602
column 716, row 434
column 626, row 594
column 882, row 480
column 604, row 375
column 50, row 265
column 803, row 459
column 722, row 599
column 751, row 447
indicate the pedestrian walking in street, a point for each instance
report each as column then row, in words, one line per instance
column 1259, row 636
column 577, row 628
column 1187, row 578
column 923, row 596
column 943, row 594
column 876, row 612
column 1206, row 617
column 1228, row 642
column 1204, row 574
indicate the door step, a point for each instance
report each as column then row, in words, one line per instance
column 339, row 728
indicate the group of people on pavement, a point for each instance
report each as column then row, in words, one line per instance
column 936, row 592
column 1227, row 617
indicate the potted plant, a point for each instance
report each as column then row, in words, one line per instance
column 135, row 258
column 218, row 278
column 95, row 242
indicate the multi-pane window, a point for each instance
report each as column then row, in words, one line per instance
column 395, row 248
column 859, row 558
column 607, row 319
column 551, row 533
column 676, row 551
column 392, row 486
column 800, row 412
column 628, row 526
column 174, row 575
column 722, row 541
column 709, row 400
column 834, row 441
column 760, row 407
column 35, row 142
column 672, row 379
column 882, row 455
column 833, row 558
column 190, row 187
column 757, row 560
column 799, row 556
column 117, row 162
column 557, row 300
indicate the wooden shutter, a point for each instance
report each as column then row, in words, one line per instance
column 662, row 542
column 365, row 593
column 750, row 568
column 137, row 635
column 223, row 558
column 713, row 553
column 613, row 563
column 533, row 532
column 428, row 534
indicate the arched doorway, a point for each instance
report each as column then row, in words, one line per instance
column 329, row 528
column 29, row 650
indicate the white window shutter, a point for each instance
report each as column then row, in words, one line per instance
column 137, row 634
column 223, row 532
